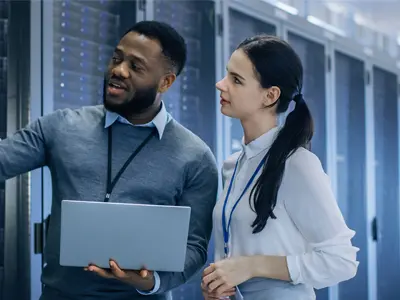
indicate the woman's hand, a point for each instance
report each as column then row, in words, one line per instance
column 226, row 274
column 212, row 295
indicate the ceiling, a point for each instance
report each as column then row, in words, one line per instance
column 382, row 15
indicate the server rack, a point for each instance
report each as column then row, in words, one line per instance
column 85, row 34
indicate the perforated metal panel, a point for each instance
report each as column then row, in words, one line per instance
column 312, row 56
column 241, row 27
column 191, row 99
column 387, row 183
column 85, row 35
column 351, row 160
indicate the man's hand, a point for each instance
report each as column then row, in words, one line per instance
column 142, row 280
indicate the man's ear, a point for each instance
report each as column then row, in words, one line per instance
column 166, row 82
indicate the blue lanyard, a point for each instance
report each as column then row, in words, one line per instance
column 224, row 227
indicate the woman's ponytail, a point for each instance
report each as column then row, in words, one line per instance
column 296, row 132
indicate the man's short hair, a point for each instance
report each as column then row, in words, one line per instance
column 172, row 43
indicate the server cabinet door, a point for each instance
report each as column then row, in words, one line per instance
column 351, row 162
column 312, row 56
column 387, row 183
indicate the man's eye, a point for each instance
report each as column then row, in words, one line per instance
column 134, row 66
column 116, row 59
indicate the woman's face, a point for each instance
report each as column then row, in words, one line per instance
column 241, row 93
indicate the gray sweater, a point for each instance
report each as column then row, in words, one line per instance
column 178, row 169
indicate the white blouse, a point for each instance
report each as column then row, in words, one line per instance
column 309, row 229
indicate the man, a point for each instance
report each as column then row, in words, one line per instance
column 173, row 167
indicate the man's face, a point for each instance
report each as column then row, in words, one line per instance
column 135, row 75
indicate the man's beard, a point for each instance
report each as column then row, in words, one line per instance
column 140, row 102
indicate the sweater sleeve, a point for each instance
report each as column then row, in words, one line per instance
column 26, row 149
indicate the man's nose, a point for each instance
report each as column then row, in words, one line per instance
column 122, row 70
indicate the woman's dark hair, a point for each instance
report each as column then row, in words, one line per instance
column 277, row 64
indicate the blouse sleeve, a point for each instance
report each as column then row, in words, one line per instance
column 310, row 203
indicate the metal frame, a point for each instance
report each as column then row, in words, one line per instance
column 144, row 10
column 41, row 104
column 219, row 73
column 47, row 94
column 331, row 132
column 36, row 197
column 398, row 124
column 371, row 182
column 331, row 142
column 226, row 52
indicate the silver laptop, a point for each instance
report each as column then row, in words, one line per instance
column 136, row 236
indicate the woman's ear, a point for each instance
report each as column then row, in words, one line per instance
column 271, row 95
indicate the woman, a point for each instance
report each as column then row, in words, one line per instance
column 278, row 230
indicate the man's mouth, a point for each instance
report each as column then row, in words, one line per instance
column 115, row 89
column 116, row 85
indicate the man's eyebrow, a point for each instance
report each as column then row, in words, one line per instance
column 134, row 57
